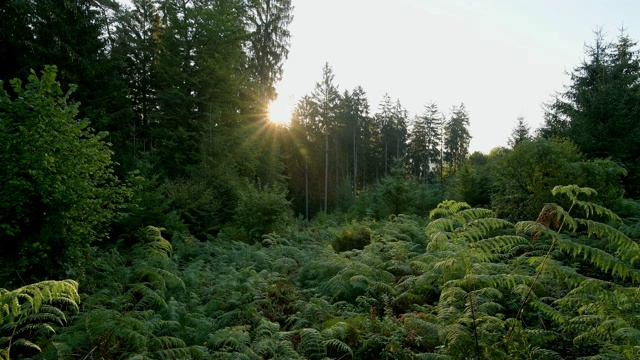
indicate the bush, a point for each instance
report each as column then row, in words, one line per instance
column 354, row 236
column 262, row 210
column 59, row 192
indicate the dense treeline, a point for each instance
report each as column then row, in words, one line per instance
column 341, row 148
column 137, row 162
column 179, row 88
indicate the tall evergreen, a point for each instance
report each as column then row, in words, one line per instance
column 456, row 138
column 599, row 111
column 137, row 46
column 520, row 133
column 268, row 22
column 424, row 142
column 356, row 119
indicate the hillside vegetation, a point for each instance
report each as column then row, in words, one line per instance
column 149, row 209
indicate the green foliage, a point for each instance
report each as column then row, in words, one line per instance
column 262, row 210
column 29, row 313
column 395, row 195
column 524, row 176
column 597, row 110
column 461, row 284
column 59, row 190
column 351, row 237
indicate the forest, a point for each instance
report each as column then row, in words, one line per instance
column 150, row 210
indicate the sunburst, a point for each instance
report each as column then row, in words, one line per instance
column 280, row 110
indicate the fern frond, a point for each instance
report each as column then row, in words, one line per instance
column 156, row 245
column 572, row 191
column 600, row 258
column 487, row 225
column 166, row 342
column 447, row 208
column 149, row 296
column 28, row 344
column 338, row 345
column 440, row 225
column 592, row 209
column 501, row 243
column 311, row 342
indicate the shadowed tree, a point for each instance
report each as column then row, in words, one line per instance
column 599, row 110
column 456, row 138
column 520, row 133
column 268, row 22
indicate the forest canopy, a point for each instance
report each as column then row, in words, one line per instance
column 149, row 209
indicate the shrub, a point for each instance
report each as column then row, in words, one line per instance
column 354, row 236
column 262, row 210
column 59, row 192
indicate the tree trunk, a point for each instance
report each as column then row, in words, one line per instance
column 337, row 174
column 355, row 165
column 386, row 147
column 306, row 187
column 326, row 171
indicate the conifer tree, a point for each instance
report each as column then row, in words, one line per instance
column 424, row 142
column 268, row 22
column 456, row 138
column 520, row 133
column 599, row 110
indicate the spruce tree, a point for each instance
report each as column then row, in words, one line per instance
column 456, row 138
column 520, row 133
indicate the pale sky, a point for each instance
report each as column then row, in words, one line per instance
column 501, row 58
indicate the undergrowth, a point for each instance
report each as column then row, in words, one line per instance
column 460, row 284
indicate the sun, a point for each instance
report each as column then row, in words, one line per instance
column 280, row 111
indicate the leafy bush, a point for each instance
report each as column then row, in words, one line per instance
column 352, row 236
column 395, row 195
column 524, row 177
column 58, row 187
column 262, row 210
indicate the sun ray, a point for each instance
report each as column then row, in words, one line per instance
column 280, row 110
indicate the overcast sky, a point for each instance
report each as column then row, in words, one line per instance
column 502, row 59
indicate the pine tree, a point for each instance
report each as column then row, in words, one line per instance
column 424, row 142
column 269, row 35
column 456, row 138
column 326, row 98
column 599, row 110
column 520, row 133
column 355, row 113
column 137, row 46
column 392, row 120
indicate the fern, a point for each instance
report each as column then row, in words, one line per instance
column 33, row 310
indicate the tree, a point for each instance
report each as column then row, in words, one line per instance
column 392, row 121
column 325, row 98
column 599, row 110
column 58, row 188
column 520, row 133
column 473, row 181
column 137, row 46
column 355, row 114
column 524, row 176
column 456, row 138
column 424, row 142
column 268, row 22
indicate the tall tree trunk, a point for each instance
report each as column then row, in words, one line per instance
column 306, row 187
column 337, row 174
column 326, row 171
column 355, row 164
column 386, row 147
